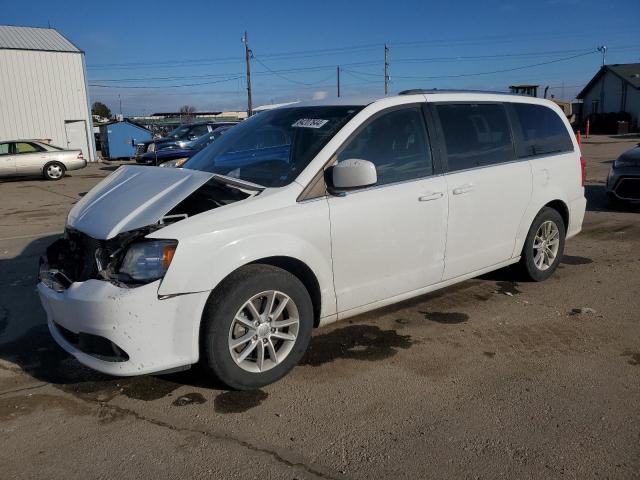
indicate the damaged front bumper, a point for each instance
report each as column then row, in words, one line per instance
column 124, row 331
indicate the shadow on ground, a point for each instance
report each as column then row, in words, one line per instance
column 597, row 201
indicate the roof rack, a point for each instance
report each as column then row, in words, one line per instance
column 415, row 91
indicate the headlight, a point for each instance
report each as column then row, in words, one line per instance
column 149, row 260
column 625, row 162
column 175, row 163
column 152, row 148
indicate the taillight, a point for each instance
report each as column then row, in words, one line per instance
column 583, row 169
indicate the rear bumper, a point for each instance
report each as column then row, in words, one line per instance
column 577, row 209
column 151, row 334
column 75, row 164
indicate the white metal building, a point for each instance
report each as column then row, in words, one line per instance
column 43, row 89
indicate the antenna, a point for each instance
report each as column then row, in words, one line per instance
column 603, row 49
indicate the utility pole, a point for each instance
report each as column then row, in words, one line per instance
column 386, row 69
column 338, row 75
column 603, row 49
column 247, row 55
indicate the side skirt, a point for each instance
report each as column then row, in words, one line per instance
column 414, row 293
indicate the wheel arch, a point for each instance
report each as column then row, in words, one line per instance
column 295, row 267
column 562, row 208
column 302, row 272
column 532, row 212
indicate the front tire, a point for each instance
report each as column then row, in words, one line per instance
column 544, row 245
column 54, row 171
column 256, row 327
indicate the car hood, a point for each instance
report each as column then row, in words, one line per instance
column 631, row 157
column 133, row 197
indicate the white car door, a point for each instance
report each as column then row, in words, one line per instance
column 389, row 239
column 7, row 160
column 488, row 189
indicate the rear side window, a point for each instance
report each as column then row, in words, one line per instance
column 543, row 131
column 396, row 143
column 24, row 147
column 475, row 135
column 4, row 148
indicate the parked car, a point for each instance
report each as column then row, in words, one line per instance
column 180, row 137
column 175, row 157
column 304, row 215
column 623, row 182
column 31, row 157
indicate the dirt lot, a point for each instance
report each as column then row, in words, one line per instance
column 486, row 379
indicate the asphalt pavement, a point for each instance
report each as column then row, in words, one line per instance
column 490, row 378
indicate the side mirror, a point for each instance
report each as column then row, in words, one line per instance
column 353, row 173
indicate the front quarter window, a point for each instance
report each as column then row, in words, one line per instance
column 272, row 148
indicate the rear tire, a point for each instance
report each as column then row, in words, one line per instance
column 54, row 171
column 268, row 314
column 544, row 245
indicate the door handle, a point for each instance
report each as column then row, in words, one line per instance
column 430, row 196
column 467, row 187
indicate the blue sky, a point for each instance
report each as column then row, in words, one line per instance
column 178, row 53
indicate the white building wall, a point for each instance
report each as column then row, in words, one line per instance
column 633, row 104
column 613, row 86
column 39, row 92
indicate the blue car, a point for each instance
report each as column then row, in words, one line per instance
column 181, row 137
column 176, row 156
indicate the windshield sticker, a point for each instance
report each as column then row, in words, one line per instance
column 309, row 123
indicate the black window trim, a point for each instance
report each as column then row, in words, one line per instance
column 442, row 149
column 437, row 166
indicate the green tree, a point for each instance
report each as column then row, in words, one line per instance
column 100, row 109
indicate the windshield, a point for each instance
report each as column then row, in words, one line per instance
column 179, row 132
column 273, row 147
column 207, row 138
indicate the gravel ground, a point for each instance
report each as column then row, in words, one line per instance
column 486, row 379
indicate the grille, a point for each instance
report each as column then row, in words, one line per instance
column 629, row 188
column 75, row 256
column 140, row 149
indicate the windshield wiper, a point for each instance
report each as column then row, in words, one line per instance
column 238, row 183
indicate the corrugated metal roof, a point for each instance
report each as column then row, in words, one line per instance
column 32, row 38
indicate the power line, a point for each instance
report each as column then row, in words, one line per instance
column 473, row 74
column 164, row 86
column 278, row 74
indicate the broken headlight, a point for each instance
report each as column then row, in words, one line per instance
column 149, row 260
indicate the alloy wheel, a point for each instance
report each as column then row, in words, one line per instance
column 264, row 331
column 545, row 245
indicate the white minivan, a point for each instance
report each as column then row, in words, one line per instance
column 304, row 215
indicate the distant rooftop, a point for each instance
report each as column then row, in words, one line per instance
column 180, row 114
column 34, row 38
column 628, row 72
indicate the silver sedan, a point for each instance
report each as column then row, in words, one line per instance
column 32, row 157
